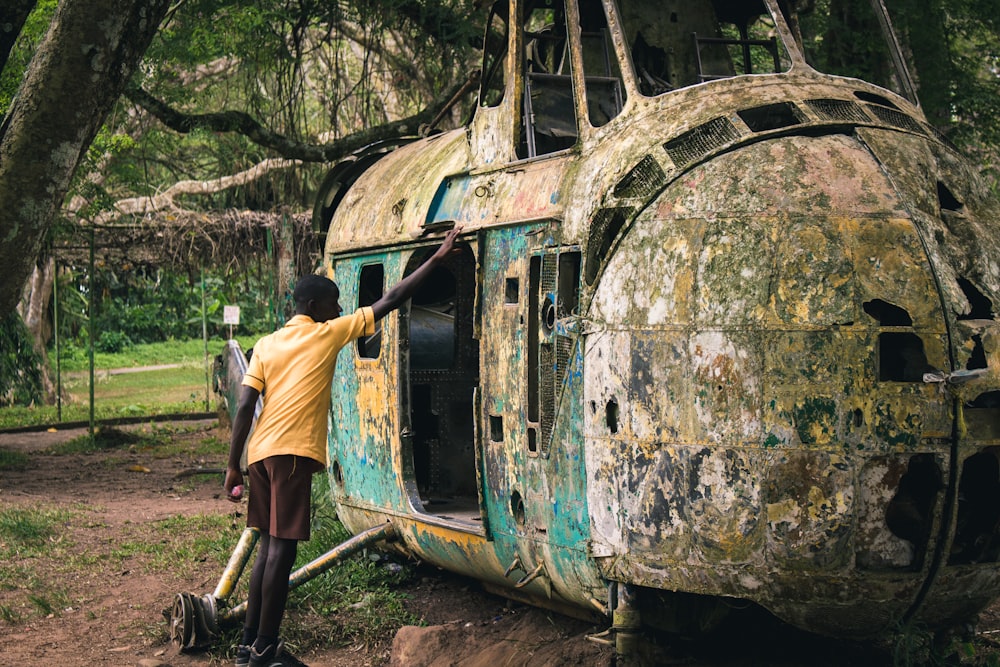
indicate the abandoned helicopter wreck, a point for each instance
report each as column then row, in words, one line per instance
column 723, row 328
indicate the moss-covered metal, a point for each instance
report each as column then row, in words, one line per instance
column 715, row 356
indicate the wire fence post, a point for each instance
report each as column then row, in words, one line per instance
column 204, row 335
column 90, row 323
column 55, row 329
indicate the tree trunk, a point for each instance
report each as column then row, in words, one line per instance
column 13, row 14
column 34, row 312
column 74, row 79
column 284, row 266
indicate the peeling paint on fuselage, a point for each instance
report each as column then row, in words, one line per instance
column 737, row 404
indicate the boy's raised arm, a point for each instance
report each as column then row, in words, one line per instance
column 405, row 288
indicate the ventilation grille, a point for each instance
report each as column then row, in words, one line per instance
column 607, row 223
column 547, row 386
column 643, row 180
column 896, row 119
column 700, row 141
column 564, row 349
column 554, row 358
column 550, row 276
column 838, row 110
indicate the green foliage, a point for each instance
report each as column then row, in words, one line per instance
column 112, row 341
column 136, row 304
column 31, row 35
column 189, row 352
column 20, row 377
column 955, row 45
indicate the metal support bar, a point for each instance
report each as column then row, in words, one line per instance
column 237, row 562
column 321, row 565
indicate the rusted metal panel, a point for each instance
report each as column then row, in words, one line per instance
column 363, row 433
column 783, row 379
column 778, row 349
column 389, row 202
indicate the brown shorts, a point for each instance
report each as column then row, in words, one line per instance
column 280, row 493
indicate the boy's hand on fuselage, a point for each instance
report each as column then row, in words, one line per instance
column 449, row 242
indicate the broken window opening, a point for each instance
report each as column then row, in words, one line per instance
column 909, row 515
column 569, row 284
column 771, row 116
column 511, row 291
column 976, row 536
column 874, row 98
column 496, row 428
column 548, row 113
column 494, row 57
column 673, row 45
column 901, row 357
column 947, row 200
column 977, row 359
column 371, row 285
column 827, row 37
column 887, row 314
column 980, row 305
column 602, row 76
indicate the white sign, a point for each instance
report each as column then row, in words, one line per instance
column 231, row 314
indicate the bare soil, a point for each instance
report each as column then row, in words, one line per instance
column 116, row 617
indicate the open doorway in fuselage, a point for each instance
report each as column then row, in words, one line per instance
column 440, row 375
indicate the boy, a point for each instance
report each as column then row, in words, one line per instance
column 293, row 369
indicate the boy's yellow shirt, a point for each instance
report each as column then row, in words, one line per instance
column 293, row 369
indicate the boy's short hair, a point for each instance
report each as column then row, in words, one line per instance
column 314, row 288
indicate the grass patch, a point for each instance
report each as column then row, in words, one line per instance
column 29, row 537
column 151, row 354
column 138, row 393
column 106, row 439
column 166, row 545
column 154, row 392
column 11, row 460
column 354, row 602
column 29, row 533
column 158, row 441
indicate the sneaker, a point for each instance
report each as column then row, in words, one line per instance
column 274, row 656
column 242, row 655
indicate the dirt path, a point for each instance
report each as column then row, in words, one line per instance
column 110, row 610
column 112, row 614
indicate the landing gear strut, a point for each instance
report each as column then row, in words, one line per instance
column 195, row 620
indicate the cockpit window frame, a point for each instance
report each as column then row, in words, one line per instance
column 783, row 32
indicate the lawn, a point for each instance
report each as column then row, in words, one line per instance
column 180, row 387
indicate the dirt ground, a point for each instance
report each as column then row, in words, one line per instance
column 116, row 618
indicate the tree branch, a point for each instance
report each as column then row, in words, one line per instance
column 242, row 123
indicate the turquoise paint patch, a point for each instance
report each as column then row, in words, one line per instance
column 448, row 200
